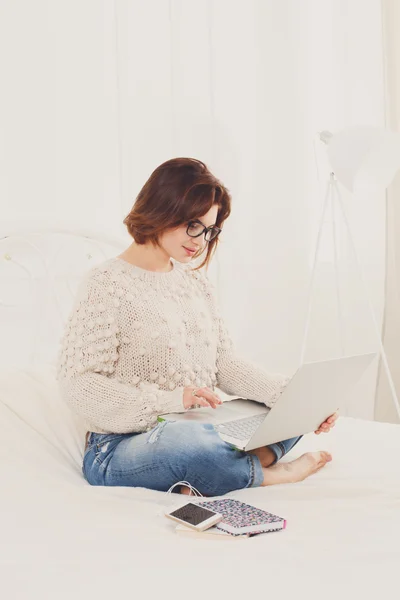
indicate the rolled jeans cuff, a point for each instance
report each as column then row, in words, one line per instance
column 282, row 448
column 256, row 471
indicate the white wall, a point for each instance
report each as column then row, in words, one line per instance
column 95, row 94
column 385, row 407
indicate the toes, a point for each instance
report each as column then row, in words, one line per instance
column 325, row 455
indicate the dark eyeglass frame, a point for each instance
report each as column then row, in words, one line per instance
column 204, row 231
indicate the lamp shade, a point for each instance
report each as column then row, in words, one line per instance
column 363, row 157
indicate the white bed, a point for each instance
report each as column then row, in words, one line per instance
column 62, row 538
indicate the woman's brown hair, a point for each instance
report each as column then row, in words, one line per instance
column 179, row 190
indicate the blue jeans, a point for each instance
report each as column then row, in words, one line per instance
column 172, row 452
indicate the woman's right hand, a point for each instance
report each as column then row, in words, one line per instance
column 204, row 397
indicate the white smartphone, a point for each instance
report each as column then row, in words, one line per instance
column 194, row 516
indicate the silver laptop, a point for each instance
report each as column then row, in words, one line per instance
column 316, row 391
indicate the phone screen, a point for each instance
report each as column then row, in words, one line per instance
column 193, row 514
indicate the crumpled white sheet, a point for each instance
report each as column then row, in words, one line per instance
column 60, row 538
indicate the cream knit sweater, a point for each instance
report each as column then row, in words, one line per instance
column 136, row 338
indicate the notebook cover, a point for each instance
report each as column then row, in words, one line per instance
column 238, row 515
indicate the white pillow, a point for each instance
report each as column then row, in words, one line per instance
column 31, row 399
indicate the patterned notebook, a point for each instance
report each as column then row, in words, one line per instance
column 239, row 518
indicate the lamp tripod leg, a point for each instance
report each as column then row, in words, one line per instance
column 337, row 280
column 362, row 278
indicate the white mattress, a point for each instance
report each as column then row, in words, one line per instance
column 62, row 538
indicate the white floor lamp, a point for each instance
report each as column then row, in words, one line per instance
column 361, row 158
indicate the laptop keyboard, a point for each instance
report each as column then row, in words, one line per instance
column 241, row 429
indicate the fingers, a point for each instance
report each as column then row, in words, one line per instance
column 328, row 424
column 324, row 428
column 203, row 402
column 321, row 428
column 206, row 397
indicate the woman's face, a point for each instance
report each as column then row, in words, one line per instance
column 177, row 244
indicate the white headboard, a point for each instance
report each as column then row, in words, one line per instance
column 39, row 274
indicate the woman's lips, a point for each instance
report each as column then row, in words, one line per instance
column 189, row 251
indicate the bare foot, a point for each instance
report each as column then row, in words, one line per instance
column 297, row 470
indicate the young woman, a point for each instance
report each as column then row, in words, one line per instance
column 146, row 338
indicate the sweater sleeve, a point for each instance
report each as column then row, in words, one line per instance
column 88, row 357
column 237, row 376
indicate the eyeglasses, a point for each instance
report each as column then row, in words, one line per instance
column 196, row 228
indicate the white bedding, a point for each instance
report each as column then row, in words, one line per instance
column 61, row 538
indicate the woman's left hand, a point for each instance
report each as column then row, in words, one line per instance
column 328, row 424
